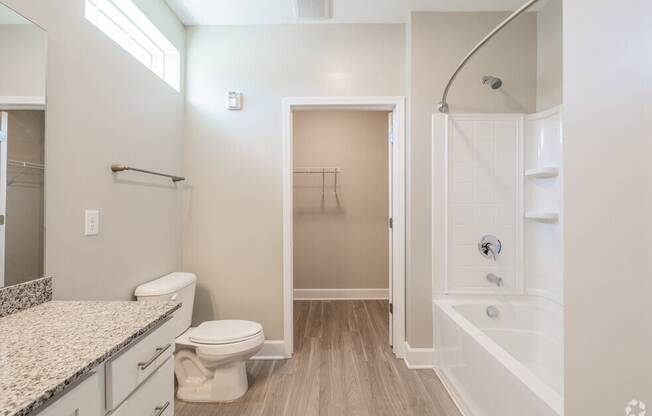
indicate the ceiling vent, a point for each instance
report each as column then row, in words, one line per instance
column 312, row 9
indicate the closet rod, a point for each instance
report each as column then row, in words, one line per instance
column 317, row 170
column 28, row 165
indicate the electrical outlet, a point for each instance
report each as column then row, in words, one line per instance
column 92, row 222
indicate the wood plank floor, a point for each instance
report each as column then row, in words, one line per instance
column 342, row 366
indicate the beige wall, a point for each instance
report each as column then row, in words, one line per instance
column 234, row 158
column 233, row 217
column 341, row 240
column 549, row 55
column 23, row 50
column 104, row 107
column 439, row 41
column 25, row 199
column 607, row 201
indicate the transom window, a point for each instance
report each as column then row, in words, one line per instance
column 122, row 21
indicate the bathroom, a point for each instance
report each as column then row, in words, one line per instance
column 151, row 208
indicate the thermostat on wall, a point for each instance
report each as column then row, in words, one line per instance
column 234, row 100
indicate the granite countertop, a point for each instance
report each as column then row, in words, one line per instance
column 46, row 348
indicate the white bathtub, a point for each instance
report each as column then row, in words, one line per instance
column 511, row 365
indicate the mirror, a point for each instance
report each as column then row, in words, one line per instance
column 23, row 57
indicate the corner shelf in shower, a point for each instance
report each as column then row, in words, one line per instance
column 545, row 172
column 549, row 217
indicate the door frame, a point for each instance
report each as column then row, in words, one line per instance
column 4, row 130
column 395, row 105
column 8, row 103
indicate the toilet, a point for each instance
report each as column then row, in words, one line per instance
column 209, row 362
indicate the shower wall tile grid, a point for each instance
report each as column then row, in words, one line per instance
column 485, row 183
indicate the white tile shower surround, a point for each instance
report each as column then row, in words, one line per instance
column 543, row 241
column 517, row 349
column 488, row 193
column 484, row 177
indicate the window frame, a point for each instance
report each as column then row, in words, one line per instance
column 127, row 25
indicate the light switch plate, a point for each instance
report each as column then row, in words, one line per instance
column 92, row 222
column 234, row 100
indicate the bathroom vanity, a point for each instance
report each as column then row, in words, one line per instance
column 88, row 359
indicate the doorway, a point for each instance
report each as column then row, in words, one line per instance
column 325, row 184
column 22, row 196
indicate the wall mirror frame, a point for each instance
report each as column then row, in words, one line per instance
column 23, row 73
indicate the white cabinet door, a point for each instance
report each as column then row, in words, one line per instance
column 129, row 369
column 155, row 397
column 86, row 399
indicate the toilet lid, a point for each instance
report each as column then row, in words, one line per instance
column 224, row 331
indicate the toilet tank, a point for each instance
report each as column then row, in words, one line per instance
column 177, row 286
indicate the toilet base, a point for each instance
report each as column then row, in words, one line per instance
column 228, row 383
column 217, row 373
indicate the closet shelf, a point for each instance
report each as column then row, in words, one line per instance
column 546, row 172
column 550, row 217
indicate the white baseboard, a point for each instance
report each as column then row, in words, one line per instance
column 416, row 358
column 272, row 350
column 340, row 294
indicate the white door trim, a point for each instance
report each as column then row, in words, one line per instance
column 397, row 106
column 4, row 128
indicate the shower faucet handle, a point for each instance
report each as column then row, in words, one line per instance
column 490, row 247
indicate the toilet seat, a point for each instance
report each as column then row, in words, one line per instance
column 221, row 351
column 226, row 331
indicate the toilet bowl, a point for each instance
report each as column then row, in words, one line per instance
column 211, row 367
column 210, row 359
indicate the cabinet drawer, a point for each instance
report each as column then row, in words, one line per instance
column 85, row 399
column 128, row 370
column 155, row 397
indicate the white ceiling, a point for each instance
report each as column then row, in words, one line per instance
column 244, row 12
column 9, row 17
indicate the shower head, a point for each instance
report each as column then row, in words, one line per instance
column 493, row 82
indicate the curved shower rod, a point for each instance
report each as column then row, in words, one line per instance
column 443, row 105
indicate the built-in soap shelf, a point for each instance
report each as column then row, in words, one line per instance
column 541, row 216
column 545, row 172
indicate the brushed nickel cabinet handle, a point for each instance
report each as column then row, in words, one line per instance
column 160, row 409
column 159, row 351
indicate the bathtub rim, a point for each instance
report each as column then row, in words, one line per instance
column 526, row 376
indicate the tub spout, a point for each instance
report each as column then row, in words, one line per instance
column 497, row 280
